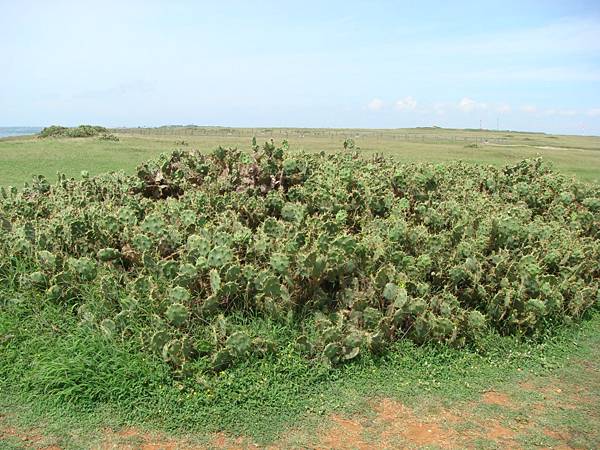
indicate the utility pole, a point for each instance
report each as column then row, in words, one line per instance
column 480, row 124
column 497, row 123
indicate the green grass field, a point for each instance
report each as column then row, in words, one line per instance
column 22, row 157
column 61, row 386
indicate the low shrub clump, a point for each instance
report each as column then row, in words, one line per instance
column 109, row 137
column 80, row 131
column 351, row 254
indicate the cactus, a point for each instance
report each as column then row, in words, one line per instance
column 371, row 317
column 351, row 353
column 198, row 245
column 188, row 218
column 442, row 327
column 54, row 292
column 158, row 341
column 179, row 294
column 187, row 271
column 177, row 314
column 280, row 262
column 303, row 344
column 108, row 254
column 47, row 260
column 172, row 352
column 331, row 334
column 219, row 256
column 38, row 279
column 153, row 224
column 355, row 253
column 390, row 292
column 215, row 281
column 222, row 359
column 210, row 306
column 168, row 268
column 239, row 343
column 476, row 320
column 332, row 353
column 187, row 348
column 375, row 342
column 292, row 212
column 142, row 243
column 263, row 346
column 85, row 268
column 108, row 327
column 233, row 273
column 415, row 306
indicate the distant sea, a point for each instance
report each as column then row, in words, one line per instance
column 18, row 131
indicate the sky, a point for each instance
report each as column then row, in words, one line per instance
column 519, row 65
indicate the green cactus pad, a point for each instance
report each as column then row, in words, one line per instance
column 215, row 281
column 108, row 327
column 179, row 294
column 158, row 341
column 222, row 359
column 108, row 254
column 239, row 343
column 219, row 256
column 177, row 314
column 280, row 262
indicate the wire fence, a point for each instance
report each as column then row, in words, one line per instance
column 299, row 133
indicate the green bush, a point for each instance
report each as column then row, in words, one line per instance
column 80, row 131
column 108, row 137
column 352, row 254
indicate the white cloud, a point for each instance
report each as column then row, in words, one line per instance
column 468, row 104
column 594, row 112
column 529, row 109
column 406, row 104
column 375, row 105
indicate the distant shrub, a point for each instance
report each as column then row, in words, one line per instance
column 181, row 143
column 52, row 131
column 108, row 137
column 80, row 131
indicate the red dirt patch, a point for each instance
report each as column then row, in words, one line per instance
column 497, row 432
column 394, row 426
column 344, row 434
column 28, row 439
column 496, row 398
column 133, row 439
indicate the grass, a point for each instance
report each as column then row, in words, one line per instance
column 61, row 385
column 67, row 384
column 22, row 157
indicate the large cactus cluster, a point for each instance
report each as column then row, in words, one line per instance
column 350, row 253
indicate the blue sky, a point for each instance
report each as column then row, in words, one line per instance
column 529, row 65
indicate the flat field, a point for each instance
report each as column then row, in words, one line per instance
column 22, row 157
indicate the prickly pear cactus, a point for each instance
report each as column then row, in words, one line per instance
column 177, row 314
column 108, row 254
column 196, row 254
